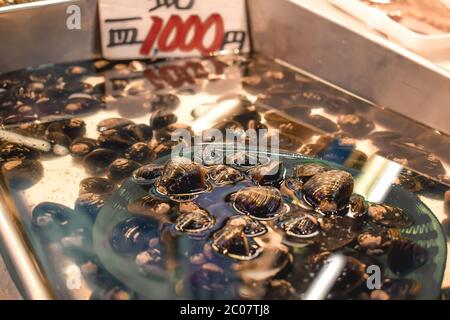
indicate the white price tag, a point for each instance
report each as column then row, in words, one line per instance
column 132, row 29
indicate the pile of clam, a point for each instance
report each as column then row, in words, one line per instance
column 314, row 210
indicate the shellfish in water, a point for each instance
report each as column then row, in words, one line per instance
column 252, row 228
column 182, row 176
column 232, row 241
column 389, row 216
column 304, row 226
column 337, row 232
column 330, row 191
column 222, row 175
column 147, row 174
column 262, row 203
column 304, row 172
column 151, row 207
column 405, row 256
column 271, row 174
column 194, row 222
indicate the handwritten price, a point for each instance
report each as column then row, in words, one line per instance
column 166, row 42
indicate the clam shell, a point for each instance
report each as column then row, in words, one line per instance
column 330, row 191
column 262, row 203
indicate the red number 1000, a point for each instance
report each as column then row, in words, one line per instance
column 182, row 30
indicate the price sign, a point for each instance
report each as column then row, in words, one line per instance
column 135, row 29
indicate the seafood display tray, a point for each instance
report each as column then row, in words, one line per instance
column 48, row 279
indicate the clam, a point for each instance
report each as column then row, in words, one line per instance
column 358, row 206
column 223, row 175
column 14, row 151
column 405, row 256
column 22, row 174
column 279, row 289
column 82, row 146
column 182, row 176
column 115, row 139
column 271, row 174
column 113, row 123
column 147, row 174
column 376, row 241
column 98, row 160
column 51, row 216
column 330, row 191
column 252, row 228
column 162, row 118
column 132, row 235
column 194, row 222
column 304, row 172
column 389, row 216
column 151, row 207
column 121, row 169
column 89, row 205
column 352, row 276
column 96, row 185
column 139, row 152
column 231, row 241
column 337, row 232
column 139, row 132
column 397, row 289
column 303, row 226
column 262, row 203
column 151, row 261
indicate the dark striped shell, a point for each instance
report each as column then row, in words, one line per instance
column 304, row 172
column 232, row 241
column 262, row 203
column 329, row 191
column 182, row 176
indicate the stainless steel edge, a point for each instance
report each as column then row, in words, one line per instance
column 20, row 259
column 36, row 33
column 376, row 70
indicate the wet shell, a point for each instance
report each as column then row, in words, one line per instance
column 139, row 132
column 397, row 289
column 96, row 185
column 329, row 191
column 251, row 227
column 152, row 207
column 304, row 226
column 194, row 222
column 375, row 241
column 182, row 176
column 358, row 206
column 115, row 140
column 82, row 146
column 140, row 152
column 304, row 172
column 336, row 232
column 161, row 119
column 13, row 151
column 51, row 216
column 121, row 169
column 223, row 175
column 262, row 203
column 22, row 174
column 152, row 261
column 405, row 256
column 233, row 242
column 271, row 174
column 132, row 235
column 89, row 205
column 389, row 216
column 147, row 174
column 98, row 160
column 113, row 123
column 351, row 277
